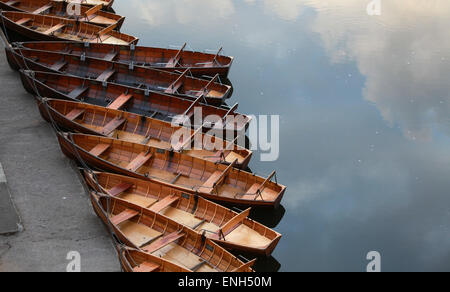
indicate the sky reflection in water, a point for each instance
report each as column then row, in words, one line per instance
column 365, row 117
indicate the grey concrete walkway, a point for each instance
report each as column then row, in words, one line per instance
column 51, row 200
column 9, row 219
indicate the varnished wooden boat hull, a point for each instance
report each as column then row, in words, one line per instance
column 106, row 7
column 156, row 80
column 165, row 106
column 49, row 112
column 202, row 209
column 59, row 8
column 18, row 32
column 142, row 56
column 206, row 249
column 75, row 152
column 129, row 256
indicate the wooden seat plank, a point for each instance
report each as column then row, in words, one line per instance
column 123, row 216
column 212, row 179
column 146, row 267
column 54, row 28
column 58, row 65
column 176, row 84
column 43, row 9
column 164, row 203
column 112, row 125
column 119, row 189
column 99, row 149
column 253, row 189
column 93, row 10
column 106, row 75
column 22, row 21
column 110, row 56
column 162, row 242
column 139, row 161
column 231, row 224
column 77, row 92
column 174, row 61
column 120, row 101
column 75, row 114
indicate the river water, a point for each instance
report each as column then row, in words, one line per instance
column 364, row 112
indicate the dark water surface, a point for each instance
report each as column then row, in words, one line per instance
column 365, row 118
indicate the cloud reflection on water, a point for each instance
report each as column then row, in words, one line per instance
column 354, row 183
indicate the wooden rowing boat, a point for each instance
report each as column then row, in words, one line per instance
column 92, row 15
column 136, row 261
column 22, row 26
column 111, row 122
column 157, row 235
column 178, row 61
column 229, row 229
column 143, row 102
column 212, row 181
column 183, row 85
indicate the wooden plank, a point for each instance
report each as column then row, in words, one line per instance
column 204, row 91
column 58, row 65
column 123, row 216
column 244, row 267
column 110, row 56
column 212, row 180
column 215, row 179
column 112, row 125
column 177, row 83
column 120, row 101
column 106, row 75
column 231, row 110
column 107, row 29
column 54, row 28
column 193, row 105
column 164, row 203
column 139, row 161
column 77, row 92
column 43, row 9
column 99, row 149
column 22, row 21
column 119, row 189
column 146, row 267
column 93, row 10
column 165, row 241
column 256, row 188
column 181, row 146
column 217, row 55
column 198, row 266
column 174, row 61
column 230, row 225
column 75, row 114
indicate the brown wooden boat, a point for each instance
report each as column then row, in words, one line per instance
column 143, row 102
column 153, row 80
column 157, row 235
column 93, row 15
column 178, row 61
column 212, row 181
column 111, row 122
column 136, row 261
column 229, row 229
column 22, row 26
